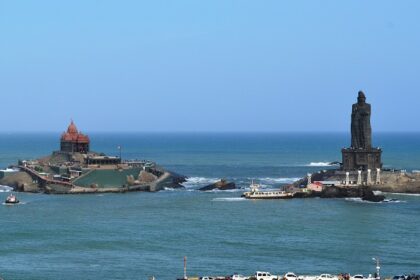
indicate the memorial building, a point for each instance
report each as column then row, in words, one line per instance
column 74, row 141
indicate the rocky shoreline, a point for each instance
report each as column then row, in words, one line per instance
column 22, row 181
column 392, row 181
column 363, row 192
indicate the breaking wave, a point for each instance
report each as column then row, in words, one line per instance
column 232, row 191
column 5, row 188
column 199, row 182
column 320, row 164
column 271, row 180
column 359, row 200
column 241, row 183
column 407, row 194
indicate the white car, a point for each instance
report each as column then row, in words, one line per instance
column 206, row 278
column 326, row 277
column 290, row 276
column 260, row 275
column 357, row 277
column 238, row 277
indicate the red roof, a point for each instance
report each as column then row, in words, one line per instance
column 73, row 135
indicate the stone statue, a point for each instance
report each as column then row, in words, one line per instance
column 361, row 155
column 361, row 131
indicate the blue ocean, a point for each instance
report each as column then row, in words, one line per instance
column 139, row 235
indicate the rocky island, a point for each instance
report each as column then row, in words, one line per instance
column 361, row 172
column 75, row 169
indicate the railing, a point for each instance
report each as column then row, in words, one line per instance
column 44, row 179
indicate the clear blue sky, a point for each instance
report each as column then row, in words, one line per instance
column 208, row 65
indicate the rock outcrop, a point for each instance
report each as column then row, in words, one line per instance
column 222, row 185
column 20, row 181
column 365, row 193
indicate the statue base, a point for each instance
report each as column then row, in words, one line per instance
column 361, row 159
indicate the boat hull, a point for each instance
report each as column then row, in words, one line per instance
column 267, row 196
column 11, row 202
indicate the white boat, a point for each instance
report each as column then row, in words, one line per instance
column 11, row 199
column 255, row 193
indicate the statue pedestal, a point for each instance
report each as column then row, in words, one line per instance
column 363, row 159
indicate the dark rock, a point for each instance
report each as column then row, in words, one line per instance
column 365, row 193
column 368, row 195
column 220, row 185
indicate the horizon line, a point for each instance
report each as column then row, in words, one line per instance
column 207, row 131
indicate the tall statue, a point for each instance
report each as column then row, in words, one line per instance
column 361, row 131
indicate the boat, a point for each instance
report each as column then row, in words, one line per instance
column 11, row 199
column 255, row 193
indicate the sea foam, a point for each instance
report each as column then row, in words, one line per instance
column 279, row 180
column 320, row 164
column 5, row 188
column 359, row 200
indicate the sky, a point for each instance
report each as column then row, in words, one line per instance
column 216, row 65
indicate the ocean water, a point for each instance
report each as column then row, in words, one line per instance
column 138, row 235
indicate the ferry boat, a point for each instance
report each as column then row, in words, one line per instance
column 255, row 193
column 11, row 199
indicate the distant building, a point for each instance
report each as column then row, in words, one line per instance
column 73, row 141
column 102, row 160
column 315, row 187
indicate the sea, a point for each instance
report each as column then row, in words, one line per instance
column 140, row 235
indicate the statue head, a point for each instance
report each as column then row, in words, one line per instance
column 361, row 98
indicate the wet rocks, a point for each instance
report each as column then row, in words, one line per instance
column 222, row 185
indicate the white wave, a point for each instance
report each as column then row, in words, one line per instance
column 406, row 194
column 199, row 182
column 272, row 180
column 218, row 191
column 5, row 188
column 9, row 170
column 394, row 201
column 359, row 200
column 229, row 199
column 320, row 164
column 377, row 192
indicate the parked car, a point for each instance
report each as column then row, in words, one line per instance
column 290, row 276
column 238, row 277
column 357, row 277
column 259, row 275
column 206, row 278
column 326, row 276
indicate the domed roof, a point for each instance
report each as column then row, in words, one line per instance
column 73, row 135
column 72, row 129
